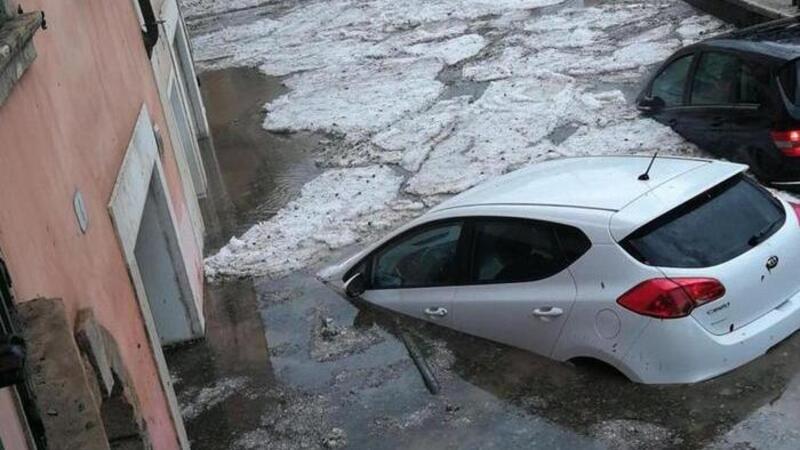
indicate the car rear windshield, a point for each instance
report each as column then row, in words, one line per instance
column 710, row 229
column 790, row 79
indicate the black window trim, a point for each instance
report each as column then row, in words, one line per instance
column 693, row 203
column 466, row 250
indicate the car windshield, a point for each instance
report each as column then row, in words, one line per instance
column 711, row 229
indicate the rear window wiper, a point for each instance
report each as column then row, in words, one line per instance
column 764, row 233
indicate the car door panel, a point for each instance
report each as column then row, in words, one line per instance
column 519, row 289
column 706, row 126
column 524, row 315
column 433, row 304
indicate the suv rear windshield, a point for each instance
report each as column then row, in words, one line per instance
column 790, row 78
column 710, row 229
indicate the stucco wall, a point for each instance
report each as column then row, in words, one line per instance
column 66, row 126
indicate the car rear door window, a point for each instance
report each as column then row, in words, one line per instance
column 670, row 83
column 425, row 258
column 715, row 79
column 789, row 76
column 711, row 229
column 724, row 79
column 749, row 89
column 517, row 250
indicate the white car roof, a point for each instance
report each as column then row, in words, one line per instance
column 608, row 183
column 601, row 195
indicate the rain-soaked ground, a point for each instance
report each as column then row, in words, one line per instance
column 290, row 364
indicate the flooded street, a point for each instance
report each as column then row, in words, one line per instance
column 260, row 171
column 288, row 363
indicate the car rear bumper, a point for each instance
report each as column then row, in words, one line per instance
column 682, row 351
column 789, row 172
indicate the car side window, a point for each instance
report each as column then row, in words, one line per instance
column 748, row 86
column 715, row 79
column 511, row 250
column 426, row 258
column 669, row 84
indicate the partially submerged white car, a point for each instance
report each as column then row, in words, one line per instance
column 673, row 275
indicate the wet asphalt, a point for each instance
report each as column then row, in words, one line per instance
column 290, row 364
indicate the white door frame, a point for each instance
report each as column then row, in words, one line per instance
column 126, row 207
column 170, row 15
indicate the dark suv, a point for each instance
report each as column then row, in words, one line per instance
column 737, row 96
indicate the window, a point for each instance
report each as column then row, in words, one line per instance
column 425, row 259
column 711, row 229
column 749, row 86
column 148, row 23
column 509, row 251
column 669, row 84
column 789, row 76
column 573, row 242
column 723, row 79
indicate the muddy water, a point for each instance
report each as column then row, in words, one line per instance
column 259, row 171
column 324, row 372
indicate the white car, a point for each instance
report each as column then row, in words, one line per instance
column 675, row 277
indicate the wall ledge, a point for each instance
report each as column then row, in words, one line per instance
column 16, row 49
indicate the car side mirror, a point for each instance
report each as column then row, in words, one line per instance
column 355, row 286
column 651, row 105
column 12, row 360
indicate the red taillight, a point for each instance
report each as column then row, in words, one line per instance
column 788, row 142
column 670, row 298
column 796, row 207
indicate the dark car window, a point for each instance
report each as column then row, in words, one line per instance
column 669, row 84
column 715, row 79
column 750, row 82
column 790, row 76
column 573, row 242
column 511, row 250
column 424, row 259
column 710, row 229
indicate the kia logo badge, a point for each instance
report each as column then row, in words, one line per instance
column 772, row 263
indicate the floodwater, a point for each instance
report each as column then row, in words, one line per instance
column 257, row 172
column 291, row 364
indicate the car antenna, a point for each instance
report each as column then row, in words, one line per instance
column 646, row 175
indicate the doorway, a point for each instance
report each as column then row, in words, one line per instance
column 162, row 269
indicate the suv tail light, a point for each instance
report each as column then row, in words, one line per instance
column 671, row 298
column 788, row 142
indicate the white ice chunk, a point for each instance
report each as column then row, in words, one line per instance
column 333, row 210
column 498, row 132
column 355, row 99
column 415, row 136
column 629, row 137
column 450, row 51
column 696, row 28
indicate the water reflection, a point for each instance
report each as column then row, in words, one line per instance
column 258, row 171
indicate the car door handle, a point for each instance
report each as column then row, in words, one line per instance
column 547, row 312
column 436, row 312
column 717, row 122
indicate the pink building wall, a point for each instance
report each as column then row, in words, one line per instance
column 66, row 126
